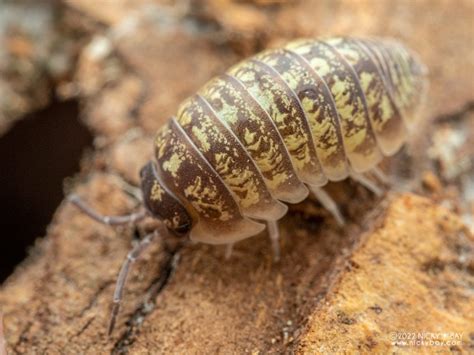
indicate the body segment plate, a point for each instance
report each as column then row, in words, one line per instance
column 318, row 106
column 283, row 106
column 258, row 135
column 229, row 159
column 359, row 141
column 386, row 120
column 185, row 171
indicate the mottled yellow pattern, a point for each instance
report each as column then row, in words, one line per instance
column 318, row 107
column 198, row 193
column 385, row 119
column 413, row 83
column 359, row 142
column 282, row 105
column 228, row 158
column 258, row 134
column 198, row 183
column 174, row 150
column 203, row 138
column 192, row 179
column 401, row 90
column 173, row 164
column 156, row 192
column 305, row 113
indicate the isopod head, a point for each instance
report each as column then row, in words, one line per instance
column 161, row 203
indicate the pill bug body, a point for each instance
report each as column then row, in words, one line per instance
column 275, row 124
column 271, row 129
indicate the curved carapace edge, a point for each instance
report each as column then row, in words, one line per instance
column 310, row 112
column 161, row 203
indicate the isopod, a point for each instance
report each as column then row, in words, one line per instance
column 274, row 127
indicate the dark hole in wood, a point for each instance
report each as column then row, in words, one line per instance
column 36, row 154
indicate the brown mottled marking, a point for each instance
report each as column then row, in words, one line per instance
column 229, row 159
column 385, row 118
column 283, row 106
column 191, row 178
column 313, row 111
column 258, row 134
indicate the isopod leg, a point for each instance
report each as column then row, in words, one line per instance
column 108, row 220
column 132, row 256
column 328, row 203
column 274, row 234
column 379, row 174
column 228, row 250
column 366, row 182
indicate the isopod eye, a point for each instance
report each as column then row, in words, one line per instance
column 161, row 203
column 182, row 229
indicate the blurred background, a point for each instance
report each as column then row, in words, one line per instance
column 42, row 138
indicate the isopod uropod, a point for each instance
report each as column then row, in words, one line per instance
column 274, row 127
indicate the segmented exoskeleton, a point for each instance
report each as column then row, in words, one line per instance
column 273, row 127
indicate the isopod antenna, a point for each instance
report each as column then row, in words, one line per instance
column 108, row 220
column 132, row 256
